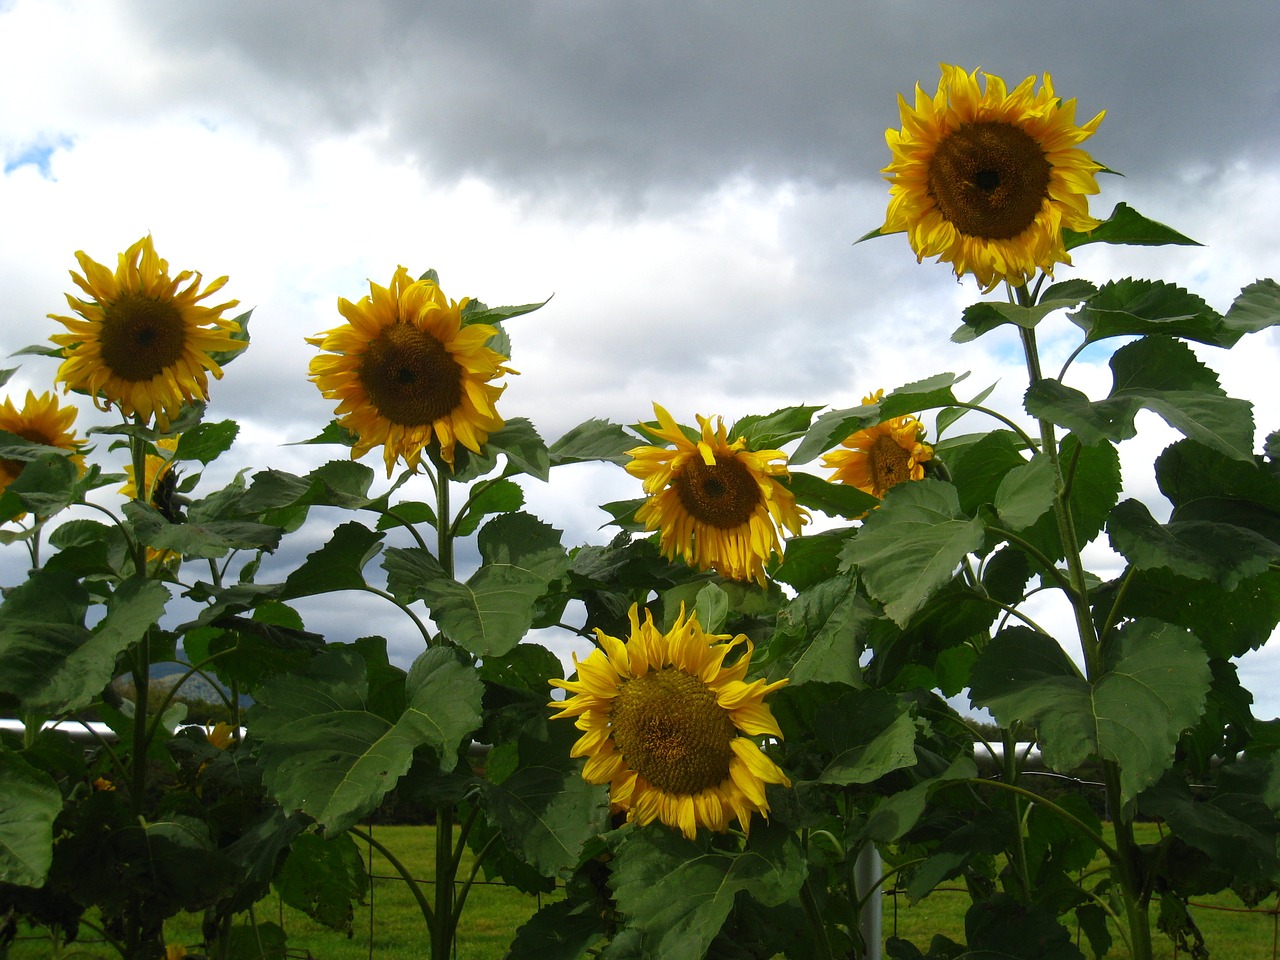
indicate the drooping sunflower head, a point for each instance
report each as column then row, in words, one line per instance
column 160, row 486
column 880, row 457
column 142, row 342
column 668, row 724
column 41, row 420
column 407, row 372
column 717, row 504
column 987, row 179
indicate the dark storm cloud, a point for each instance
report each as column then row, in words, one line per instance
column 599, row 100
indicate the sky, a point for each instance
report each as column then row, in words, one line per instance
column 685, row 180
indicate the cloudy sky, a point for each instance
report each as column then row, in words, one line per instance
column 687, row 178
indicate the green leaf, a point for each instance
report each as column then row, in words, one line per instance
column 239, row 333
column 831, row 428
column 524, row 448
column 1233, row 826
column 867, row 733
column 775, row 430
column 1001, row 928
column 1154, row 687
column 408, row 569
column 49, row 660
column 324, row 879
column 979, row 470
column 1127, row 226
column 1025, row 493
column 1189, row 473
column 205, row 442
column 407, row 513
column 29, row 803
column 209, row 540
column 833, row 499
column 1094, row 484
column 1157, row 374
column 1256, row 308
column 546, row 811
column 498, row 496
column 338, row 483
column 477, row 312
column 563, row 930
column 820, row 635
column 338, row 565
column 325, row 752
column 911, row 546
column 45, row 486
column 813, row 558
column 1225, row 553
column 650, row 864
column 593, row 440
column 1140, row 307
column 985, row 316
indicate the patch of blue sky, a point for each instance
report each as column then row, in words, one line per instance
column 37, row 154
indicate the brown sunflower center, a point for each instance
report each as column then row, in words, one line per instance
column 670, row 730
column 141, row 336
column 889, row 463
column 724, row 495
column 410, row 376
column 989, row 179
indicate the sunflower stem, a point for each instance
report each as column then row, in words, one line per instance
column 822, row 945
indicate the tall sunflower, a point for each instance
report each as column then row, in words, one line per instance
column 143, row 342
column 668, row 726
column 877, row 458
column 987, row 180
column 41, row 420
column 407, row 372
column 718, row 504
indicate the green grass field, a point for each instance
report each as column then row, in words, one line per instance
column 389, row 926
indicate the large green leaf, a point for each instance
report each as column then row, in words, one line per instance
column 209, row 540
column 978, row 471
column 326, row 753
column 338, row 483
column 1127, row 226
column 1225, row 553
column 1188, row 472
column 324, row 879
column 1025, row 493
column 205, row 442
column 1154, row 687
column 408, row 570
column 820, row 635
column 832, row 427
column 525, row 450
column 494, row 609
column 563, row 930
column 1256, row 308
column 986, row 315
column 497, row 496
column 29, row 803
column 911, row 546
column 45, row 486
column 593, row 440
column 833, row 499
column 1158, row 374
column 867, row 734
column 774, row 430
column 1136, row 308
column 1233, row 825
column 49, row 660
column 338, row 565
column 1093, row 486
column 546, row 811
column 1002, row 928
column 677, row 893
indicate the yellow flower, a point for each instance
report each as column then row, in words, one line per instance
column 407, row 372
column 142, row 342
column 41, row 420
column 882, row 456
column 102, row 783
column 221, row 734
column 718, row 504
column 987, row 180
column 668, row 726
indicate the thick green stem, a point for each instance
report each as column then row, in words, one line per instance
column 442, row 935
column 1127, row 868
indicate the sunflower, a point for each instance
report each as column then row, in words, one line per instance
column 668, row 726
column 987, row 180
column 718, row 504
column 142, row 341
column 160, row 483
column 407, row 372
column 41, row 420
column 882, row 456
